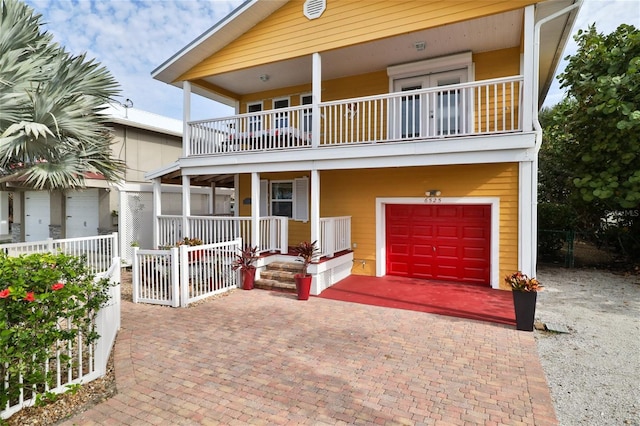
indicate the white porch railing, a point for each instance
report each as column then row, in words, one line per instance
column 217, row 229
column 181, row 276
column 86, row 362
column 335, row 235
column 476, row 108
column 99, row 250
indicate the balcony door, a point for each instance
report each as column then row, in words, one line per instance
column 432, row 114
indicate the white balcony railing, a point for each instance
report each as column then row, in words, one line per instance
column 477, row 108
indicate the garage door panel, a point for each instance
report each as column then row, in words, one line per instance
column 460, row 234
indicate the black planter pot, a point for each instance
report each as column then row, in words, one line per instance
column 524, row 303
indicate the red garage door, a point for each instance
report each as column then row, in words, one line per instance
column 444, row 242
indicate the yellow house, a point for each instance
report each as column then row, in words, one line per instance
column 400, row 135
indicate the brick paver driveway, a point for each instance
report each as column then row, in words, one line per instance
column 259, row 357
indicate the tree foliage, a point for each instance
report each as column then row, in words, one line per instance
column 51, row 132
column 602, row 118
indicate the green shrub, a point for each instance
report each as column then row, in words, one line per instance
column 39, row 293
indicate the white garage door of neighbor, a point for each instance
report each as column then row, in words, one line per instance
column 37, row 215
column 82, row 213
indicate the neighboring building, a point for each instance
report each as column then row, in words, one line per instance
column 403, row 136
column 144, row 141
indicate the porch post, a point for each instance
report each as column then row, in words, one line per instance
column 255, row 210
column 315, row 207
column 186, row 116
column 316, row 95
column 186, row 205
column 529, row 70
column 212, row 199
column 526, row 227
column 157, row 211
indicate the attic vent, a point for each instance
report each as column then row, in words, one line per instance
column 314, row 8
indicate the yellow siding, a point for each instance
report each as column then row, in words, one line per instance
column 343, row 23
column 354, row 192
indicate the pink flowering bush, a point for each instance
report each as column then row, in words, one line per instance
column 37, row 292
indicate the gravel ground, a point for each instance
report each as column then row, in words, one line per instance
column 594, row 370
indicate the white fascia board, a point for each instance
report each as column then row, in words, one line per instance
column 158, row 173
column 133, row 117
column 486, row 157
column 489, row 149
column 239, row 21
column 166, row 188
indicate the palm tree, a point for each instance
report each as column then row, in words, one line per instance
column 51, row 129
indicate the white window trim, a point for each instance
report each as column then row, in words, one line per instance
column 494, row 202
column 430, row 66
column 296, row 201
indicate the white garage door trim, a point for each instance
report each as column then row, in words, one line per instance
column 494, row 202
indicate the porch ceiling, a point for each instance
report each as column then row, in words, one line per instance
column 220, row 180
column 478, row 35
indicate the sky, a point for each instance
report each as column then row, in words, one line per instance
column 133, row 37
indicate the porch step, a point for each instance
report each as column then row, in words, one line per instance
column 279, row 276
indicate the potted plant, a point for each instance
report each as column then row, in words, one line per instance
column 524, row 291
column 307, row 252
column 245, row 261
column 186, row 241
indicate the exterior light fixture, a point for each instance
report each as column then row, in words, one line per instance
column 264, row 78
column 420, row 45
column 433, row 193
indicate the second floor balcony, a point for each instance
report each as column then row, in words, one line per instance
column 480, row 108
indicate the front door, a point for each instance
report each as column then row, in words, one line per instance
column 441, row 113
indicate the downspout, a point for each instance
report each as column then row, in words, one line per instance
column 536, row 122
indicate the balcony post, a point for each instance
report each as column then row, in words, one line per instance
column 528, row 70
column 186, row 117
column 316, row 95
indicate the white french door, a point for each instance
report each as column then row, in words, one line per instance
column 441, row 113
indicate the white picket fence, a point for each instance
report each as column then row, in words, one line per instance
column 183, row 275
column 89, row 361
column 99, row 250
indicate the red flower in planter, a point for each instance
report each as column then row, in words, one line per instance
column 5, row 293
column 29, row 297
column 57, row 286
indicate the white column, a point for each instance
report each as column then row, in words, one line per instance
column 316, row 95
column 157, row 211
column 4, row 213
column 314, row 213
column 186, row 205
column 255, row 210
column 186, row 116
column 236, row 195
column 529, row 70
column 526, row 225
column 212, row 199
